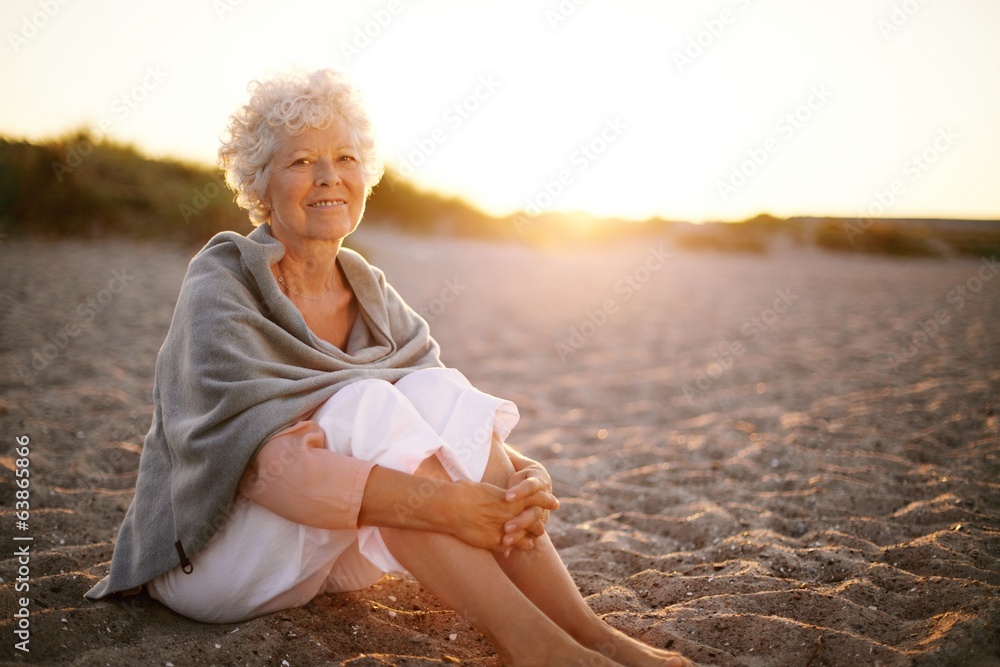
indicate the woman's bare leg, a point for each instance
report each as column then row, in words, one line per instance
column 543, row 578
column 471, row 581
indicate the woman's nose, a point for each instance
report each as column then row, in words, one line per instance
column 326, row 173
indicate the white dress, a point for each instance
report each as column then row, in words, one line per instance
column 259, row 562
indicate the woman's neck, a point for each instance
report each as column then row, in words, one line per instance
column 311, row 271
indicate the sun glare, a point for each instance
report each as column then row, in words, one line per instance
column 631, row 110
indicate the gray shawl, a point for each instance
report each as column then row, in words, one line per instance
column 238, row 365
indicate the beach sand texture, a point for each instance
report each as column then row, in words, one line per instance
column 763, row 460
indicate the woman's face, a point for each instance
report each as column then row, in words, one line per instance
column 316, row 186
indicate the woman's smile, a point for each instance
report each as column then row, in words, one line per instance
column 316, row 185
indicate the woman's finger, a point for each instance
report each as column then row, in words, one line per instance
column 525, row 488
column 523, row 542
column 542, row 499
column 537, row 529
column 531, row 520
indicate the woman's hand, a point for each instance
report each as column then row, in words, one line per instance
column 477, row 513
column 485, row 512
column 532, row 485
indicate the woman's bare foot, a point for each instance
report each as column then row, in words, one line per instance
column 630, row 652
column 558, row 651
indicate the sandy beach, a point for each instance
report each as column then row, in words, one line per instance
column 788, row 459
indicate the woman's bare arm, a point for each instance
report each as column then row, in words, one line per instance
column 295, row 476
column 474, row 512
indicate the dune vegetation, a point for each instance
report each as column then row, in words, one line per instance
column 77, row 186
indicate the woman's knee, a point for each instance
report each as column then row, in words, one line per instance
column 499, row 467
column 436, row 381
column 372, row 421
column 370, row 396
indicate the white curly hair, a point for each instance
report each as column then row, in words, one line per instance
column 286, row 105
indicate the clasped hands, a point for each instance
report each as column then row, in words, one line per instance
column 506, row 519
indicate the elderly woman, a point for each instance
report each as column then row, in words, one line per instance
column 306, row 437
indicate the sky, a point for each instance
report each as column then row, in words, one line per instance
column 707, row 110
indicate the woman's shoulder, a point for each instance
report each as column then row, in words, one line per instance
column 231, row 249
column 354, row 263
column 219, row 261
column 227, row 263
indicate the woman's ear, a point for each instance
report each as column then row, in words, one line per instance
column 256, row 181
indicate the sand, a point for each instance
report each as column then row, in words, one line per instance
column 782, row 459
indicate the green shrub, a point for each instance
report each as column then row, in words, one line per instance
column 881, row 238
